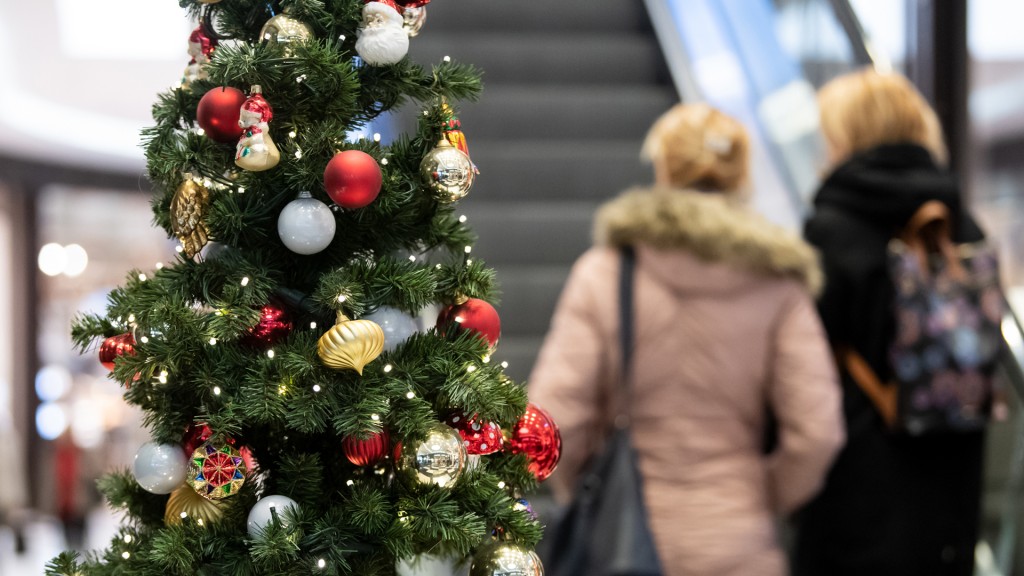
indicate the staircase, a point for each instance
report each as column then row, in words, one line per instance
column 571, row 88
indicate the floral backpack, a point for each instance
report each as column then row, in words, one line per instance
column 948, row 310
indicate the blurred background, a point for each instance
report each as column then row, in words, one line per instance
column 571, row 88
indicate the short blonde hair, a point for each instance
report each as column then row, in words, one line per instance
column 699, row 147
column 865, row 109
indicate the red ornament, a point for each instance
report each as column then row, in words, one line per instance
column 473, row 314
column 198, row 434
column 537, row 436
column 366, row 451
column 116, row 346
column 353, row 179
column 218, row 113
column 274, row 325
column 481, row 438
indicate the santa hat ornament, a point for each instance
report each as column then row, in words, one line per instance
column 383, row 39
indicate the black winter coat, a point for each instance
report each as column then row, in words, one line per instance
column 892, row 505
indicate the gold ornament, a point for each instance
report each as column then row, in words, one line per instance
column 188, row 209
column 287, row 31
column 186, row 503
column 413, row 18
column 439, row 459
column 448, row 172
column 351, row 344
column 501, row 558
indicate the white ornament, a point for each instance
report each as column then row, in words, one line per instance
column 262, row 514
column 159, row 468
column 306, row 225
column 397, row 325
column 383, row 38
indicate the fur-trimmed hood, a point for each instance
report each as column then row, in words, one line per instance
column 680, row 224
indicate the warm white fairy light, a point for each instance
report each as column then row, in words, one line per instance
column 179, row 248
column 144, row 339
column 241, row 189
column 471, row 368
column 501, row 485
column 245, row 281
column 298, row 154
column 342, row 37
column 126, row 555
column 312, row 325
column 342, row 298
column 183, row 515
column 159, row 265
column 200, row 131
column 410, row 394
column 316, row 388
column 301, row 79
column 213, row 341
column 127, row 538
column 350, row 483
column 282, row 389
column 463, row 218
column 292, row 134
column 321, row 563
column 216, row 390
column 504, row 364
column 376, row 136
column 412, row 258
column 447, row 58
column 438, row 266
column 384, row 161
column 388, row 368
column 199, row 521
column 486, row 359
column 375, row 417
column 163, row 377
column 468, row 249
column 142, row 277
column 270, row 353
column 131, row 318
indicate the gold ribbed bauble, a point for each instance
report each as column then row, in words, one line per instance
column 287, row 31
column 500, row 558
column 188, row 214
column 351, row 344
column 448, row 171
column 185, row 500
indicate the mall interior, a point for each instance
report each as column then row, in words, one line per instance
column 571, row 88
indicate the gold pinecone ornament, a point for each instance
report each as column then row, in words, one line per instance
column 185, row 502
column 188, row 211
column 351, row 344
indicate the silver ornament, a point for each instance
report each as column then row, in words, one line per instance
column 448, row 171
column 439, row 459
column 397, row 325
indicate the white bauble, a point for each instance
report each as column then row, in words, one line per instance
column 306, row 225
column 397, row 325
column 160, row 468
column 260, row 517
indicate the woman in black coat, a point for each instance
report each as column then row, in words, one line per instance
column 892, row 504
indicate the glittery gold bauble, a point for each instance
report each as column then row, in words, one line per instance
column 351, row 344
column 439, row 459
column 287, row 31
column 503, row 558
column 448, row 172
column 186, row 503
column 188, row 209
column 216, row 470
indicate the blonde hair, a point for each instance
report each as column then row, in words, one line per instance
column 696, row 146
column 865, row 109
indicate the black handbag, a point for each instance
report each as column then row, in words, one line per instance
column 604, row 531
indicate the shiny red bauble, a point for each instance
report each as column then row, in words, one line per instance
column 218, row 113
column 475, row 315
column 116, row 346
column 366, row 451
column 480, row 437
column 274, row 325
column 353, row 179
column 197, row 434
column 537, row 436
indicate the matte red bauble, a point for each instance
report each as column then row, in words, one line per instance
column 481, row 438
column 218, row 113
column 537, row 436
column 366, row 451
column 274, row 325
column 197, row 434
column 473, row 314
column 115, row 346
column 353, row 179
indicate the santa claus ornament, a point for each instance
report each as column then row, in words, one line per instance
column 255, row 150
column 383, row 39
column 200, row 48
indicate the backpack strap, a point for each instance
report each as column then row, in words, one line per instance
column 928, row 232
column 883, row 396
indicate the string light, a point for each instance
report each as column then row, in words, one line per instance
column 463, row 219
column 301, row 79
column 142, row 277
column 127, row 538
column 216, row 390
column 292, row 134
column 245, row 281
column 312, row 325
column 131, row 318
column 200, row 131
column 501, row 484
column 241, row 189
column 159, row 265
column 375, row 417
column 342, row 37
column 376, row 136
column 447, row 58
column 471, row 368
column 410, row 394
column 270, row 353
column 468, row 249
column 412, row 258
column 213, row 341
column 298, row 154
column 179, row 248
column 144, row 339
column 316, row 388
column 321, row 563
column 350, row 483
column 126, row 555
column 388, row 368
column 486, row 359
column 163, row 377
column 504, row 364
column 342, row 298
column 384, row 161
column 282, row 389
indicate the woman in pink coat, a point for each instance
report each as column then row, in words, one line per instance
column 726, row 329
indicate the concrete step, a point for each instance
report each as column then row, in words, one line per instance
column 538, row 58
column 563, row 17
column 560, row 112
column 529, row 233
column 529, row 294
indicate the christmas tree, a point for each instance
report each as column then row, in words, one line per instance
column 300, row 421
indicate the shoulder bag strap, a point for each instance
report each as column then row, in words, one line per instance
column 625, row 332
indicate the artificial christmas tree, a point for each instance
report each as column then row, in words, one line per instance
column 309, row 443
